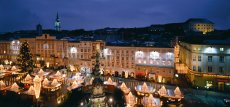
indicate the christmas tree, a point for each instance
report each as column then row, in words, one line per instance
column 24, row 58
column 96, row 69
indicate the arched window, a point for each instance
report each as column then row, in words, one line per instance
column 154, row 55
column 73, row 50
column 139, row 54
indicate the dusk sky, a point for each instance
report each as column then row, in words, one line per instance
column 93, row 14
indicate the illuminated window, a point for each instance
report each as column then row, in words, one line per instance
column 199, row 58
column 209, row 68
column 209, row 58
column 221, row 59
column 194, row 49
column 139, row 54
column 139, row 61
column 221, row 49
column 169, row 55
column 98, row 46
column 194, row 58
column 73, row 50
column 154, row 55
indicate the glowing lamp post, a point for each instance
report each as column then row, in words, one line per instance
column 111, row 102
column 37, row 86
column 47, row 64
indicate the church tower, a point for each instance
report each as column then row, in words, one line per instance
column 57, row 23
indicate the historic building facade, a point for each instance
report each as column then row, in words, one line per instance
column 127, row 61
column 207, row 65
column 199, row 25
column 155, row 63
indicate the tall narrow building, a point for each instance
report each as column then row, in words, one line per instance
column 57, row 23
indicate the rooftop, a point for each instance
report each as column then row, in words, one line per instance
column 208, row 40
column 198, row 20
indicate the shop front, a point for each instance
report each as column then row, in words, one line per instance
column 223, row 84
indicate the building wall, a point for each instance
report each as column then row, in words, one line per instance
column 5, row 50
column 120, row 59
column 47, row 48
column 204, row 56
column 205, row 63
column 201, row 27
column 150, row 60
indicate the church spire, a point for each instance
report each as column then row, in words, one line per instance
column 57, row 23
column 57, row 17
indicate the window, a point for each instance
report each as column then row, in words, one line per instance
column 199, row 49
column 221, row 59
column 199, row 69
column 46, row 46
column 155, row 55
column 194, row 58
column 221, row 49
column 194, row 68
column 194, row 49
column 199, row 58
column 209, row 58
column 73, row 50
column 209, row 69
column 221, row 69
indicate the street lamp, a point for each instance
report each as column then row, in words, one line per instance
column 176, row 75
column 111, row 101
column 82, row 104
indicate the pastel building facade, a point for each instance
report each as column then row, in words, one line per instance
column 152, row 62
column 155, row 63
column 206, row 64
